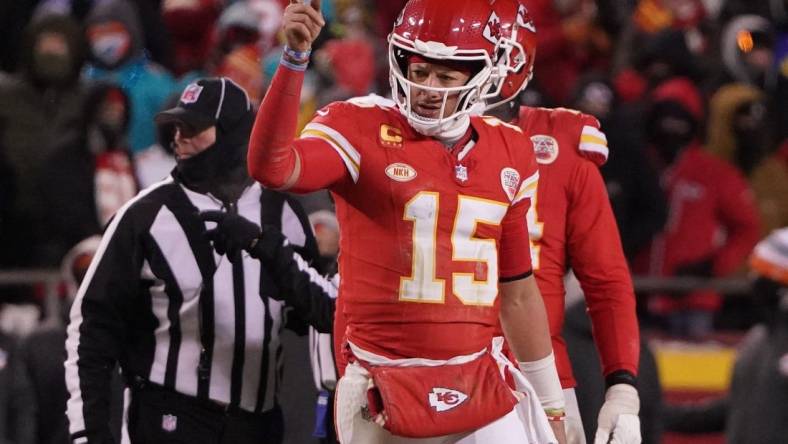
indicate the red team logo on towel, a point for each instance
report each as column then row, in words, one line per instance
column 442, row 399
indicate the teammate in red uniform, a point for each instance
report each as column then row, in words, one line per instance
column 572, row 225
column 432, row 205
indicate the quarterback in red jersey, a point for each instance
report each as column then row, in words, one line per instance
column 572, row 225
column 432, row 206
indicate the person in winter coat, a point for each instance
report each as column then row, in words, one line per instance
column 739, row 131
column 117, row 56
column 90, row 174
column 38, row 105
column 712, row 222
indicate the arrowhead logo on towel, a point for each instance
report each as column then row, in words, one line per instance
column 442, row 399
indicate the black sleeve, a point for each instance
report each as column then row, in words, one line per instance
column 310, row 294
column 99, row 327
column 302, row 285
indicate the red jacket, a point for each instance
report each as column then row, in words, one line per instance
column 712, row 215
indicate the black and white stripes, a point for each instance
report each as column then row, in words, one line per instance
column 160, row 301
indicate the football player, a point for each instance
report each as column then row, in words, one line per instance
column 571, row 225
column 432, row 205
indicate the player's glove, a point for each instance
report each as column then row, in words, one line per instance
column 618, row 421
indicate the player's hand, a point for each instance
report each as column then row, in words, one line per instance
column 302, row 23
column 559, row 431
column 618, row 421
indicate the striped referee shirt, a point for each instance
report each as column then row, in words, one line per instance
column 161, row 302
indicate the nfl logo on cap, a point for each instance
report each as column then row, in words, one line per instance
column 191, row 94
column 169, row 423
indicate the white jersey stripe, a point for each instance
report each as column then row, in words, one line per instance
column 339, row 143
column 527, row 188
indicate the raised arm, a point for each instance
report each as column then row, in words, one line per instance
column 275, row 158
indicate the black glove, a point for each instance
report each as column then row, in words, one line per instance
column 271, row 249
column 233, row 232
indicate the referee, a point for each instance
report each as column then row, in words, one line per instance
column 195, row 329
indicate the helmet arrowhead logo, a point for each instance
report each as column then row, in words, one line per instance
column 492, row 31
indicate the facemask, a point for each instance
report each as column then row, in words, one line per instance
column 670, row 129
column 209, row 170
column 51, row 68
column 110, row 49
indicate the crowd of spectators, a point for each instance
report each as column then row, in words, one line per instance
column 692, row 95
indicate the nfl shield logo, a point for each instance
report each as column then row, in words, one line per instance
column 510, row 179
column 191, row 93
column 169, row 423
column 461, row 173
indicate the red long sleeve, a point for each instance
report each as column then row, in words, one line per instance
column 271, row 159
column 597, row 259
column 739, row 214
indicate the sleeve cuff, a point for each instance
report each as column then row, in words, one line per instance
column 621, row 377
column 516, row 277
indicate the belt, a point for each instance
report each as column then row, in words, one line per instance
column 140, row 385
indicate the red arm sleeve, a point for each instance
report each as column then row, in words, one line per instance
column 275, row 159
column 739, row 214
column 597, row 258
column 272, row 160
column 514, row 251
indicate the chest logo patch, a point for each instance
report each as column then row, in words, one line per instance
column 401, row 172
column 510, row 179
column 390, row 136
column 545, row 148
column 442, row 399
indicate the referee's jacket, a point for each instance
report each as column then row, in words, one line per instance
column 158, row 300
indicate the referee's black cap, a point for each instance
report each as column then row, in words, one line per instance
column 208, row 102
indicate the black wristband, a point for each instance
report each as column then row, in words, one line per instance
column 621, row 377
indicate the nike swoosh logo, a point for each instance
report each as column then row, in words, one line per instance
column 322, row 113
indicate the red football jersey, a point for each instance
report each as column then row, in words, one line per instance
column 572, row 226
column 420, row 229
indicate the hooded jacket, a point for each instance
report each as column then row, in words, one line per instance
column 33, row 115
column 712, row 215
column 147, row 84
column 769, row 179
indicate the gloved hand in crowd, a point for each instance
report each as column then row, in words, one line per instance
column 618, row 421
column 234, row 233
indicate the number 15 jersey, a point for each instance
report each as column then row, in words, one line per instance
column 425, row 231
